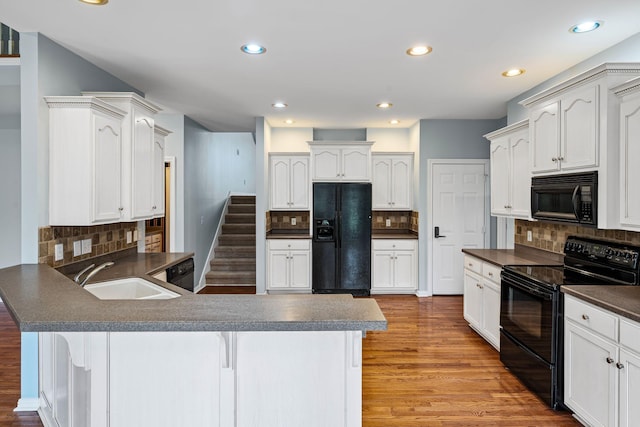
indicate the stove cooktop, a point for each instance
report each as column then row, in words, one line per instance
column 554, row 275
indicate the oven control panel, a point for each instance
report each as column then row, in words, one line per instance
column 603, row 252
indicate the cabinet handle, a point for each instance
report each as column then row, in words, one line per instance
column 342, row 174
column 155, row 207
column 619, row 365
column 585, row 317
column 554, row 159
column 609, row 360
column 470, row 265
column 560, row 159
column 121, row 209
column 490, row 274
column 479, row 285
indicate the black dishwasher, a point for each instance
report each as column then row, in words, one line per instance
column 181, row 274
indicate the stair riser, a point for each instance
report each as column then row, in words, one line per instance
column 242, row 209
column 238, row 229
column 223, row 255
column 243, row 200
column 240, row 219
column 233, row 269
column 230, row 243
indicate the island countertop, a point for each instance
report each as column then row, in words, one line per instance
column 41, row 299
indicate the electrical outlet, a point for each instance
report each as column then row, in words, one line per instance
column 529, row 236
column 77, row 248
column 129, row 236
column 135, row 235
column 59, row 252
column 86, row 246
column 388, row 222
column 293, row 220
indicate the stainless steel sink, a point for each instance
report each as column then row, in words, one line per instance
column 130, row 288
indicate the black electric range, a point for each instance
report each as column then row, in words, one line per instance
column 531, row 308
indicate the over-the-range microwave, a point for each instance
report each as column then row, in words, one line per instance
column 570, row 198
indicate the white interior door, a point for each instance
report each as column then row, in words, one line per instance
column 459, row 211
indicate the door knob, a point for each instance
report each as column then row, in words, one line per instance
column 436, row 233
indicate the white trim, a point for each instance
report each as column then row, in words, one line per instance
column 422, row 294
column 207, row 266
column 172, row 202
column 29, row 404
column 429, row 234
column 12, row 61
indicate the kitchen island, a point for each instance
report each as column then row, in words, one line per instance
column 197, row 360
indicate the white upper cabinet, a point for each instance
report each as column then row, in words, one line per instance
column 574, row 127
column 137, row 152
column 510, row 177
column 158, row 170
column 341, row 161
column 629, row 154
column 289, row 181
column 84, row 161
column 392, row 181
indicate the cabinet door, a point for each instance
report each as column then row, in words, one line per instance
column 381, row 183
column 278, row 269
column 580, row 139
column 107, row 160
column 280, row 184
column 590, row 375
column 382, row 275
column 356, row 164
column 158, row 176
column 299, row 182
column 629, row 161
column 629, row 367
column 402, row 179
column 472, row 301
column 491, row 312
column 403, row 269
column 544, row 130
column 299, row 263
column 326, row 164
column 142, row 168
column 520, row 190
column 500, row 176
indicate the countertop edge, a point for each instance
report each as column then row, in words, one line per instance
column 577, row 291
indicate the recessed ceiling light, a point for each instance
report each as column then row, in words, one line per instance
column 384, row 105
column 394, row 121
column 585, row 27
column 95, row 2
column 253, row 49
column 513, row 72
column 419, row 50
column 279, row 105
column 289, row 122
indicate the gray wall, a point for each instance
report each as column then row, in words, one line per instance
column 215, row 164
column 626, row 51
column 10, row 248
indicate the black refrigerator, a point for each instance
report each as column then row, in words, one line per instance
column 341, row 238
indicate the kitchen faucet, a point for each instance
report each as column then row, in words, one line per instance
column 92, row 272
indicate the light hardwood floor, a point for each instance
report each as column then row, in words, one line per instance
column 428, row 369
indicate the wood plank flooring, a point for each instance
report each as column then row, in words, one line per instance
column 428, row 370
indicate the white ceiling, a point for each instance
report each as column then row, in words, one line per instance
column 331, row 61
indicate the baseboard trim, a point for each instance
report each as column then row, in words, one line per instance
column 422, row 294
column 27, row 404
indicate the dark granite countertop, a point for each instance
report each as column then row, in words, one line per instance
column 41, row 298
column 393, row 235
column 518, row 256
column 622, row 300
column 288, row 235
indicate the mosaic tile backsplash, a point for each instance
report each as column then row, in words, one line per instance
column 551, row 237
column 400, row 220
column 281, row 220
column 105, row 239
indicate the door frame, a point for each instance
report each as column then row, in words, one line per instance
column 172, row 202
column 487, row 208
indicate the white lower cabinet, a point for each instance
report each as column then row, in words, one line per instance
column 481, row 303
column 601, row 365
column 201, row 379
column 394, row 266
column 289, row 265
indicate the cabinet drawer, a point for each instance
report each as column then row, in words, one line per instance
column 491, row 272
column 591, row 317
column 473, row 264
column 393, row 245
column 300, row 244
column 630, row 334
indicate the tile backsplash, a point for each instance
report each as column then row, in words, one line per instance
column 400, row 220
column 281, row 220
column 105, row 239
column 551, row 237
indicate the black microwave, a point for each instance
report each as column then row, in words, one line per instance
column 570, row 198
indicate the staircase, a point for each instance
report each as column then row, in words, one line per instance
column 234, row 260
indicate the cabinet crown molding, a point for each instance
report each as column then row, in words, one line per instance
column 88, row 102
column 162, row 131
column 346, row 143
column 628, row 87
column 602, row 70
column 132, row 97
column 508, row 129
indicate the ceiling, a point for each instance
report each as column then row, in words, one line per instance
column 331, row 61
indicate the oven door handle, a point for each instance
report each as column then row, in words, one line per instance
column 530, row 290
column 574, row 202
